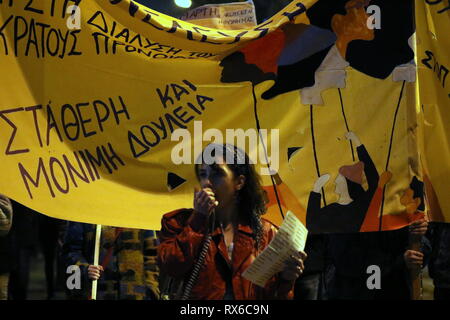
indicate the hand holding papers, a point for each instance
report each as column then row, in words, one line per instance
column 290, row 238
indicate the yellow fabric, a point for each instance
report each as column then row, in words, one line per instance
column 89, row 75
column 433, row 109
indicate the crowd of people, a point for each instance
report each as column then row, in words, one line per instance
column 201, row 253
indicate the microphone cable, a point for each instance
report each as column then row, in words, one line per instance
column 201, row 259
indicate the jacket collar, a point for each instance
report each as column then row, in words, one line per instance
column 242, row 228
column 244, row 244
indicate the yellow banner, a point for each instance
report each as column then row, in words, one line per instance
column 92, row 97
column 433, row 58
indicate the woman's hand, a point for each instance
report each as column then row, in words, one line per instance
column 5, row 215
column 413, row 259
column 5, row 211
column 94, row 272
column 418, row 227
column 4, row 221
column 205, row 201
column 323, row 179
column 294, row 266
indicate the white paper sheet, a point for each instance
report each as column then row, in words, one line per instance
column 290, row 238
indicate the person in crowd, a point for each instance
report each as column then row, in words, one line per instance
column 127, row 270
column 439, row 263
column 23, row 247
column 6, row 215
column 48, row 233
column 310, row 285
column 31, row 233
column 356, row 257
column 210, row 246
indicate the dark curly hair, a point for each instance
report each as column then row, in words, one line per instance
column 252, row 198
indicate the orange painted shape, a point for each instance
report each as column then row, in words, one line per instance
column 264, row 52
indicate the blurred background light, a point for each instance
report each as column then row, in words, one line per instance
column 183, row 3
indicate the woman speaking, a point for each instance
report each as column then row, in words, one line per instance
column 210, row 246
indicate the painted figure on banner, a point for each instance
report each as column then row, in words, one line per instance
column 338, row 37
column 348, row 213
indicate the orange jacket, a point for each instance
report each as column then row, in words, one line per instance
column 181, row 239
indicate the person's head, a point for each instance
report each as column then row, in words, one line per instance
column 227, row 170
column 349, row 181
column 341, row 185
column 389, row 47
column 351, row 26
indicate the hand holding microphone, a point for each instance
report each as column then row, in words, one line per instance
column 205, row 201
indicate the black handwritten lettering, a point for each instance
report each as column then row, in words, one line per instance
column 29, row 8
column 67, row 125
column 291, row 15
column 51, row 124
column 118, row 112
column 10, row 2
column 202, row 54
column 148, row 18
column 56, row 182
column 43, row 27
column 54, row 52
column 17, row 34
column 190, row 105
column 36, row 123
column 8, row 150
column 430, row 56
column 88, row 166
column 111, row 155
column 145, row 137
column 104, row 26
column 178, row 91
column 83, row 122
column 204, row 36
column 105, row 45
column 137, row 38
column 101, row 119
column 33, row 38
column 26, row 177
column 263, row 31
column 161, row 126
column 97, row 161
column 440, row 70
column 435, row 2
column 66, row 4
column 133, row 8
column 151, row 134
column 164, row 97
column 5, row 44
column 125, row 33
column 175, row 27
column 236, row 38
column 132, row 140
column 182, row 116
column 60, row 174
column 73, row 51
column 202, row 99
column 173, row 50
column 171, row 120
column 71, row 169
column 96, row 36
